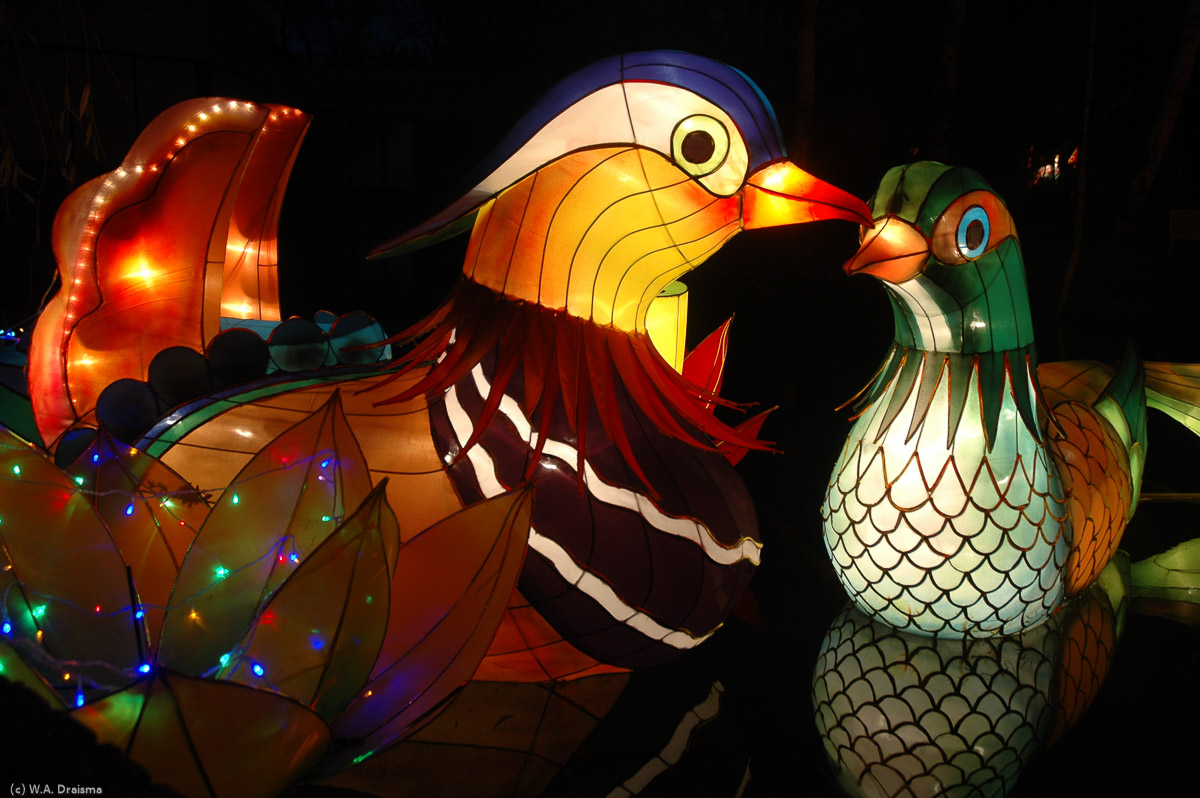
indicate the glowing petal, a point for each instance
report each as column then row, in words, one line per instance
column 203, row 737
column 318, row 636
column 57, row 562
column 152, row 513
column 448, row 595
column 243, row 552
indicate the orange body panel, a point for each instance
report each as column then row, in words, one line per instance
column 1094, row 470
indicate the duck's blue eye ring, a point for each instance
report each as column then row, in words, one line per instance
column 974, row 232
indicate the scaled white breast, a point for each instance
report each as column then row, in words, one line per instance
column 951, row 540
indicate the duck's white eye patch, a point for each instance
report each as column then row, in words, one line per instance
column 700, row 144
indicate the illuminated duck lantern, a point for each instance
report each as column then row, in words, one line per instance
column 537, row 374
column 976, row 490
column 628, row 174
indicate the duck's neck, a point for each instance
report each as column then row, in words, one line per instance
column 970, row 308
column 989, row 386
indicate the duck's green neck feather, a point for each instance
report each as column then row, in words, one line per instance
column 986, row 376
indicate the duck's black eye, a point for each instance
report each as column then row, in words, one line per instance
column 975, row 234
column 699, row 145
column 974, row 229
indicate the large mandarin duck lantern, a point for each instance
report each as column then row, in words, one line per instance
column 976, row 490
column 628, row 174
column 333, row 548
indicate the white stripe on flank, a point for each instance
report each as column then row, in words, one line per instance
column 696, row 717
column 590, row 584
column 603, row 594
column 686, row 528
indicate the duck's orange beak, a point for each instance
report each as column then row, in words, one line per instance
column 893, row 250
column 783, row 193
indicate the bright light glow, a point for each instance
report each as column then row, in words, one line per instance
column 258, row 669
column 141, row 269
column 144, row 668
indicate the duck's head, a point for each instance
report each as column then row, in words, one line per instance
column 626, row 175
column 946, row 249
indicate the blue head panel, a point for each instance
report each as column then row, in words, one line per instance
column 720, row 84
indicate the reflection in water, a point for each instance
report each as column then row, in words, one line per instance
column 907, row 715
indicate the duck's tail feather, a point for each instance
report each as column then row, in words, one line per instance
column 1174, row 388
column 1128, row 389
column 1169, row 583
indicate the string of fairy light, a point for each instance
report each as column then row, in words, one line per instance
column 38, row 604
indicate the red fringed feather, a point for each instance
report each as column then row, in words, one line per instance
column 567, row 365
